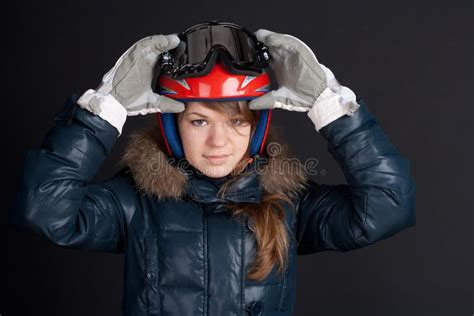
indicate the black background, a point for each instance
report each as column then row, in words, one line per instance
column 412, row 62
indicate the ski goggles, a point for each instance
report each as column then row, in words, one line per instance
column 202, row 44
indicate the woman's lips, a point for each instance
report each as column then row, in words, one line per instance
column 217, row 159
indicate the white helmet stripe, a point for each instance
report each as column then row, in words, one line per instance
column 265, row 88
column 184, row 84
column 247, row 80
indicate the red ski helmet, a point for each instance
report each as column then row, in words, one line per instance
column 217, row 85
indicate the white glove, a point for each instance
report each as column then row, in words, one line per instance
column 305, row 84
column 126, row 88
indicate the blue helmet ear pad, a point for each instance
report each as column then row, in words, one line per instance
column 173, row 140
column 258, row 140
column 171, row 134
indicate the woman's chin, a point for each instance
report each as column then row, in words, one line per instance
column 216, row 171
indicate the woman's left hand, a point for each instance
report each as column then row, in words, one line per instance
column 301, row 78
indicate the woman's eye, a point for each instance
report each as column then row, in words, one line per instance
column 237, row 122
column 198, row 122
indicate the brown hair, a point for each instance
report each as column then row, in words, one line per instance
column 267, row 218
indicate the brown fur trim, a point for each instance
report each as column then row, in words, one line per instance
column 282, row 174
column 144, row 156
column 149, row 166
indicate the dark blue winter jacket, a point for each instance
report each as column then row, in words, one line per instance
column 184, row 254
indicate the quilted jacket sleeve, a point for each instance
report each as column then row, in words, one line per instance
column 377, row 202
column 56, row 198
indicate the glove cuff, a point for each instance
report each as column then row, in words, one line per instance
column 105, row 106
column 331, row 105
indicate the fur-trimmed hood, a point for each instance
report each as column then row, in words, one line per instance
column 159, row 175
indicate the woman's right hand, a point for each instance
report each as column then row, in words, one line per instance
column 129, row 81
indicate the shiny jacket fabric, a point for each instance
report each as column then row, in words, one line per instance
column 186, row 255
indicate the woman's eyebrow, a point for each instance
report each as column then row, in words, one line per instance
column 202, row 115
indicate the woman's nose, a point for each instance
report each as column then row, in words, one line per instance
column 217, row 136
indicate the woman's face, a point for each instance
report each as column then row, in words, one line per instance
column 213, row 142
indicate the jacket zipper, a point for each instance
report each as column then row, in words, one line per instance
column 147, row 291
column 206, row 272
column 151, row 276
column 283, row 293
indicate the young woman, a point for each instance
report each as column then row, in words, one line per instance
column 209, row 210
